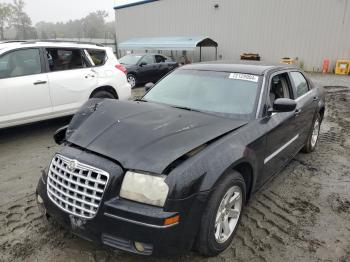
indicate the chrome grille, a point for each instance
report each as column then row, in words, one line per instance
column 75, row 187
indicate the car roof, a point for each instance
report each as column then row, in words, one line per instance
column 23, row 44
column 247, row 67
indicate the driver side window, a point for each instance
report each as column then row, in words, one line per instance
column 279, row 88
column 21, row 62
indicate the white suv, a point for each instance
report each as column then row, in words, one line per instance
column 43, row 80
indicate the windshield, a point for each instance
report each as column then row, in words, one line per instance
column 223, row 93
column 130, row 59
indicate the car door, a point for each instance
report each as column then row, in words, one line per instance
column 147, row 69
column 307, row 100
column 71, row 78
column 24, row 89
column 282, row 129
column 163, row 67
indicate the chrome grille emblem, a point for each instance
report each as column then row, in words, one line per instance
column 75, row 187
column 72, row 165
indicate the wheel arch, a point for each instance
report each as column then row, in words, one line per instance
column 322, row 112
column 247, row 171
column 106, row 88
column 131, row 73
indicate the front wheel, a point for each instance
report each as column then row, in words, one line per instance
column 311, row 142
column 222, row 215
column 132, row 80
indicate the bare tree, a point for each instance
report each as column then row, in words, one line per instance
column 91, row 26
column 93, row 23
column 5, row 18
column 21, row 21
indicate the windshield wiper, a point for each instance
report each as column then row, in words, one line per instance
column 140, row 100
column 187, row 108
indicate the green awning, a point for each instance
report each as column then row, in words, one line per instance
column 167, row 43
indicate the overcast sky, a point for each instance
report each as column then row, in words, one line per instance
column 63, row 10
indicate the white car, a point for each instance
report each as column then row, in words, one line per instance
column 43, row 80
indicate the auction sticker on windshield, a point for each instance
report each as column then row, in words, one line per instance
column 245, row 77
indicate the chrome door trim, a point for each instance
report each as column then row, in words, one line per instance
column 281, row 149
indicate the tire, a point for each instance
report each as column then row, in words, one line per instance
column 132, row 80
column 312, row 139
column 209, row 241
column 103, row 94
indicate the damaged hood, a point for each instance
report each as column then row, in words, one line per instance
column 146, row 136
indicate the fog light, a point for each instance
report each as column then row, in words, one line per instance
column 39, row 199
column 139, row 246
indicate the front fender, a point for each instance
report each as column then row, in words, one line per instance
column 202, row 171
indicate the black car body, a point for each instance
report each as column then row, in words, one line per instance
column 144, row 68
column 193, row 150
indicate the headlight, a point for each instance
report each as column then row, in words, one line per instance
column 148, row 189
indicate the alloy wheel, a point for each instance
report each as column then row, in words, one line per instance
column 228, row 214
column 132, row 81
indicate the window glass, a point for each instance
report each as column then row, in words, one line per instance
column 280, row 88
column 300, row 83
column 207, row 91
column 130, row 59
column 20, row 63
column 98, row 56
column 65, row 59
column 148, row 59
column 160, row 59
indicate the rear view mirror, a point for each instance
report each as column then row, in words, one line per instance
column 284, row 105
column 142, row 64
column 60, row 135
column 148, row 86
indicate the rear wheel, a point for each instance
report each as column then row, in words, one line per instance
column 132, row 80
column 313, row 137
column 222, row 215
column 103, row 94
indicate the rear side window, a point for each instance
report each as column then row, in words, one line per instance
column 300, row 83
column 65, row 59
column 160, row 59
column 98, row 57
column 20, row 63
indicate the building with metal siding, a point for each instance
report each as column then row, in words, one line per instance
column 309, row 30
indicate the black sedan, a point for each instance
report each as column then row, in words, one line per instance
column 173, row 171
column 146, row 68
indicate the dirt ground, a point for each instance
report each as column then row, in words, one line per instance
column 302, row 215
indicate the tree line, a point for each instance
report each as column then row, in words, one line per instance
column 16, row 24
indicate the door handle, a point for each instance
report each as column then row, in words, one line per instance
column 297, row 112
column 89, row 75
column 39, row 82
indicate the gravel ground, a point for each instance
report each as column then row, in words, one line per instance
column 302, row 215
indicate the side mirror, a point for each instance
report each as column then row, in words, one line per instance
column 142, row 64
column 60, row 135
column 283, row 105
column 148, row 86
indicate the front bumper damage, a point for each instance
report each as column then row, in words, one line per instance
column 131, row 226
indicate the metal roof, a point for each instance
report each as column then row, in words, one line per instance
column 141, row 2
column 167, row 43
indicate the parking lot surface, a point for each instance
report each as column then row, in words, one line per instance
column 302, row 215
